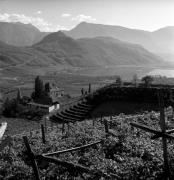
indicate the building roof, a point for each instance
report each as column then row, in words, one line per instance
column 40, row 105
column 37, row 104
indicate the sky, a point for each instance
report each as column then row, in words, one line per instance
column 54, row 15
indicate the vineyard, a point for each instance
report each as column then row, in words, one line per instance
column 101, row 147
column 132, row 94
column 129, row 154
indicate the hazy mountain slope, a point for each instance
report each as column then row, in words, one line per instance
column 11, row 56
column 64, row 50
column 109, row 51
column 164, row 38
column 58, row 49
column 19, row 34
column 157, row 41
column 167, row 57
column 160, row 41
column 54, row 49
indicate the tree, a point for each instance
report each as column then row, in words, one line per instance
column 6, row 107
column 47, row 87
column 19, row 97
column 82, row 91
column 39, row 87
column 12, row 108
column 135, row 80
column 147, row 80
column 119, row 81
column 89, row 90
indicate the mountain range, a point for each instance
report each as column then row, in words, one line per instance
column 19, row 34
column 87, row 45
column 159, row 41
column 59, row 49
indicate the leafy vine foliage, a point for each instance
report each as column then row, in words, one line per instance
column 130, row 154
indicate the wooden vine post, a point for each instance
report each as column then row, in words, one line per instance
column 46, row 121
column 93, row 121
column 32, row 158
column 63, row 128
column 108, row 132
column 165, row 134
column 172, row 101
column 43, row 133
column 106, row 127
column 164, row 139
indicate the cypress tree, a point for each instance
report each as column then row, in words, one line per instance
column 82, row 91
column 39, row 87
column 89, row 90
column 19, row 97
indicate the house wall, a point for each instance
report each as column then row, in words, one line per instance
column 45, row 109
column 54, row 107
column 51, row 108
column 57, row 106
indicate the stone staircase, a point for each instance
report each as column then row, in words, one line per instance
column 76, row 112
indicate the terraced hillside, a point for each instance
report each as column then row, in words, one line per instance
column 148, row 95
column 142, row 99
column 76, row 112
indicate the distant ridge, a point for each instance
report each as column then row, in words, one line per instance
column 55, row 36
column 160, row 41
column 19, row 34
column 58, row 49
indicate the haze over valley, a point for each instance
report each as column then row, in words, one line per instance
column 87, row 45
column 84, row 45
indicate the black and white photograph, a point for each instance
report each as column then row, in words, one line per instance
column 86, row 89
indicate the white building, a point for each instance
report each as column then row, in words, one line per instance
column 43, row 107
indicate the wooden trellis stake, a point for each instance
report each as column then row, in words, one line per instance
column 68, row 129
column 43, row 133
column 163, row 133
column 63, row 128
column 106, row 127
column 93, row 121
column 32, row 158
column 46, row 119
column 108, row 131
column 101, row 119
column 172, row 103
column 51, row 125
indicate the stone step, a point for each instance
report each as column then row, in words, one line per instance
column 76, row 108
column 84, row 106
column 75, row 111
column 67, row 117
column 71, row 115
